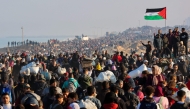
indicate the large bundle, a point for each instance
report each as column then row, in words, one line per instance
column 30, row 68
column 106, row 76
column 25, row 72
column 187, row 92
column 34, row 70
column 61, row 71
column 137, row 72
column 32, row 64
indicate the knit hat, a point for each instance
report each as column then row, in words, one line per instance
column 41, row 77
column 98, row 67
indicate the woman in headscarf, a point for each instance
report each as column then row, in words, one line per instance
column 156, row 76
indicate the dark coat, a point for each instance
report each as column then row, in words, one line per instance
column 101, row 95
column 158, row 42
column 16, row 71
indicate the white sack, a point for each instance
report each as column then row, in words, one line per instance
column 34, row 70
column 137, row 72
column 150, row 70
column 106, row 76
column 32, row 64
column 61, row 71
column 187, row 91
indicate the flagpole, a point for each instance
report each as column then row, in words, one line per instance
column 165, row 20
column 165, row 26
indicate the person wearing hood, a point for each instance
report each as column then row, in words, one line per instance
column 182, row 65
column 156, row 76
column 40, row 85
column 85, row 80
column 110, row 101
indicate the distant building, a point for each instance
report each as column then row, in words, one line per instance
column 107, row 34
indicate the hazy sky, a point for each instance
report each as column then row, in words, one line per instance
column 90, row 17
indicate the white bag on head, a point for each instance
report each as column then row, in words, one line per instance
column 34, row 70
column 106, row 76
column 61, row 71
column 137, row 72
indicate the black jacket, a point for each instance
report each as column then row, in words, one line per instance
column 148, row 48
column 184, row 37
column 175, row 41
column 19, row 90
column 178, row 106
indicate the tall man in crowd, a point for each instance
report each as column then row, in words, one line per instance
column 158, row 42
column 170, row 38
column 184, row 37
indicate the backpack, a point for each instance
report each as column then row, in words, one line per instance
column 87, row 104
column 30, row 99
column 71, row 87
column 159, row 105
column 53, row 106
column 7, row 89
column 130, row 101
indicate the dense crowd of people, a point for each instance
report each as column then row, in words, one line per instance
column 63, row 81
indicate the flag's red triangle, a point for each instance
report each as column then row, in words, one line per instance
column 163, row 13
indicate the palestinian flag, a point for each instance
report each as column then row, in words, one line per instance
column 155, row 14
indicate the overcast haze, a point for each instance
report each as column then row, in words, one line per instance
column 90, row 17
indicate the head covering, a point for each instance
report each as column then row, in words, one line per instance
column 157, row 77
column 181, row 42
column 181, row 58
column 157, row 70
column 145, row 61
column 41, row 77
column 113, row 68
column 26, row 86
column 98, row 67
